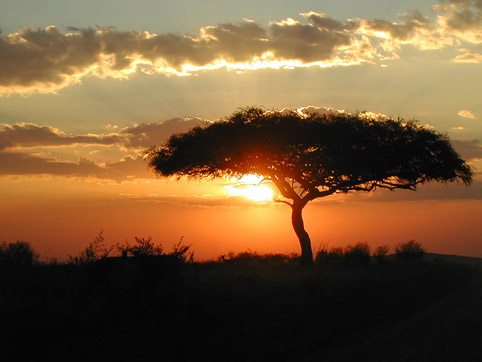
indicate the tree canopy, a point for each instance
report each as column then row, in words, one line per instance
column 312, row 156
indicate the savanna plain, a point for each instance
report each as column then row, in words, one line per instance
column 141, row 303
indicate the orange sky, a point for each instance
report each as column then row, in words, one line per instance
column 58, row 224
column 86, row 88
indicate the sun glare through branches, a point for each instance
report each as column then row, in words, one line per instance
column 252, row 187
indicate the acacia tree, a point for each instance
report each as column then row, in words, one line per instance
column 312, row 156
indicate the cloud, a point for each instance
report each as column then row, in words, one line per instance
column 140, row 136
column 470, row 150
column 17, row 163
column 146, row 135
column 468, row 58
column 45, row 60
column 127, row 169
column 413, row 22
column 466, row 114
column 25, row 164
column 310, row 43
column 201, row 201
column 461, row 18
column 33, row 135
column 414, row 29
column 18, row 140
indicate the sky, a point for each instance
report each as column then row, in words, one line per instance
column 87, row 86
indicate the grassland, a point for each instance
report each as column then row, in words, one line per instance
column 255, row 308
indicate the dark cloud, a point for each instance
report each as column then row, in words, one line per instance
column 139, row 137
column 146, row 135
column 469, row 149
column 236, row 43
column 45, row 60
column 33, row 135
column 127, row 169
column 17, row 163
column 400, row 31
column 462, row 18
column 25, row 164
column 461, row 15
column 324, row 22
column 307, row 43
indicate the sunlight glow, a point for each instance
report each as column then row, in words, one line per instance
column 251, row 187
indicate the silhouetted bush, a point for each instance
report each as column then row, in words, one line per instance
column 410, row 250
column 95, row 251
column 181, row 252
column 19, row 253
column 358, row 253
column 252, row 257
column 380, row 254
column 146, row 247
column 328, row 256
column 142, row 247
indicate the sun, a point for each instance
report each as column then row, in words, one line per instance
column 258, row 193
column 251, row 187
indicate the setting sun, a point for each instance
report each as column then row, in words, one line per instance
column 225, row 174
column 257, row 193
column 252, row 187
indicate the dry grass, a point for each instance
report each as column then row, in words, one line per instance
column 254, row 308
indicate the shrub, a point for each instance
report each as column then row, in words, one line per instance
column 328, row 256
column 142, row 247
column 358, row 253
column 254, row 258
column 410, row 250
column 146, row 247
column 181, row 252
column 95, row 251
column 247, row 257
column 18, row 253
column 380, row 254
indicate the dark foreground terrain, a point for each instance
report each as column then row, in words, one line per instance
column 249, row 310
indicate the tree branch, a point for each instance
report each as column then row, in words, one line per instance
column 284, row 187
column 314, row 193
column 283, row 202
column 373, row 184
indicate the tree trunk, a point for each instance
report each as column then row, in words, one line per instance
column 303, row 237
